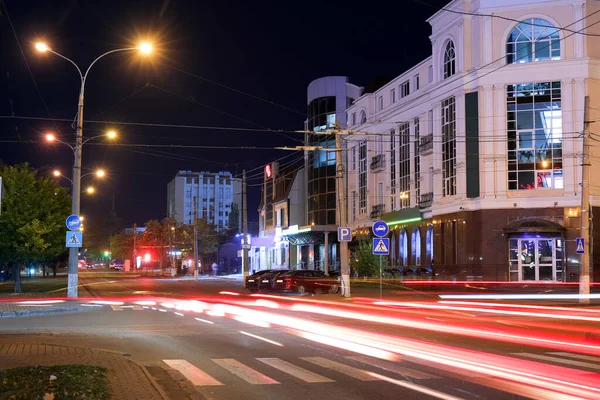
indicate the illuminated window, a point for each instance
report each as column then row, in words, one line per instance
column 429, row 245
column 449, row 60
column 404, row 247
column 416, row 246
column 534, row 129
column 533, row 40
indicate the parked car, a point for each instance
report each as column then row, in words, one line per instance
column 252, row 281
column 265, row 282
column 304, row 281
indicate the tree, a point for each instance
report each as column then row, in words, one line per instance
column 234, row 219
column 34, row 209
column 364, row 261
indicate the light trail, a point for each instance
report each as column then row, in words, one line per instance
column 520, row 296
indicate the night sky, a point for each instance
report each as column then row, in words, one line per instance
column 269, row 49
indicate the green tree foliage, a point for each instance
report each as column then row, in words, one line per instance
column 34, row 209
column 364, row 261
column 234, row 219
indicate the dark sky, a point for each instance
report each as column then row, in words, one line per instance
column 269, row 49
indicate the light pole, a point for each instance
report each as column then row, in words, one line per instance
column 144, row 48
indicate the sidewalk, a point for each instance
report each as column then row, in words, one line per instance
column 127, row 379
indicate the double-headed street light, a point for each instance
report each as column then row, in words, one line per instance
column 144, row 48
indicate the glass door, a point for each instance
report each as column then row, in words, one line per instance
column 537, row 259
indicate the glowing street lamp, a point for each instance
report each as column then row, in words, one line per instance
column 145, row 48
column 50, row 137
column 111, row 134
column 100, row 173
column 90, row 190
column 41, row 47
column 56, row 173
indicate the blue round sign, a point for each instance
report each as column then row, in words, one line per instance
column 73, row 222
column 380, row 228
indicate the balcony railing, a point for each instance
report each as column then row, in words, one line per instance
column 377, row 210
column 377, row 163
column 426, row 144
column 426, row 200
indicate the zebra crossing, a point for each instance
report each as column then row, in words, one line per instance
column 198, row 377
column 564, row 358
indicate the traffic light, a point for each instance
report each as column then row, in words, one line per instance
column 106, row 253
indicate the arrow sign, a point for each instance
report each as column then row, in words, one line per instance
column 74, row 239
column 381, row 246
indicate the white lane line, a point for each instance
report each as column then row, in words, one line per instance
column 246, row 373
column 416, row 388
column 262, row 338
column 138, row 308
column 573, row 355
column 297, row 372
column 392, row 367
column 559, row 360
column 443, row 367
column 204, row 320
column 193, row 373
column 116, row 308
column 352, row 372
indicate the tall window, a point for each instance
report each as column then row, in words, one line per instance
column 533, row 40
column 353, row 163
column 416, row 246
column 393, row 96
column 405, row 89
column 404, row 247
column 353, row 216
column 534, row 129
column 404, row 164
column 380, row 103
column 449, row 60
column 363, row 117
column 417, row 161
column 354, row 118
column 449, row 146
column 429, row 245
column 362, row 177
column 393, row 170
column 416, row 84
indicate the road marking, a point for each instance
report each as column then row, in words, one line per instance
column 392, row 367
column 356, row 373
column 204, row 320
column 246, row 373
column 262, row 338
column 416, row 388
column 297, row 372
column 579, row 356
column 193, row 373
column 559, row 360
column 116, row 308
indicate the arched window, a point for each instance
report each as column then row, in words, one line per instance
column 404, row 247
column 416, row 246
column 533, row 40
column 363, row 117
column 449, row 60
column 429, row 245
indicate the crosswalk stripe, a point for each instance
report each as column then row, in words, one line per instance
column 559, row 360
column 193, row 373
column 295, row 371
column 392, row 367
column 246, row 373
column 122, row 308
column 356, row 373
column 116, row 308
column 573, row 355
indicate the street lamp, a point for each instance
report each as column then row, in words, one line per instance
column 144, row 48
column 90, row 190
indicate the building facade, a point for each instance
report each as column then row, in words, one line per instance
column 474, row 155
column 215, row 194
column 282, row 206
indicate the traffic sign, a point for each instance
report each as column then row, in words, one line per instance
column 381, row 246
column 73, row 222
column 344, row 234
column 380, row 228
column 580, row 247
column 74, row 239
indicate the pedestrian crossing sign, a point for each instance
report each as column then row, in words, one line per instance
column 579, row 248
column 381, row 246
column 74, row 239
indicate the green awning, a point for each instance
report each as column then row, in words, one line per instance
column 404, row 216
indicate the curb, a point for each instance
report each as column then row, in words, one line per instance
column 27, row 313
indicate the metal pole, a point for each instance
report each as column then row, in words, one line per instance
column 584, row 272
column 380, row 275
column 72, row 280
column 134, row 261
column 339, row 166
column 326, row 268
column 245, row 259
column 195, row 241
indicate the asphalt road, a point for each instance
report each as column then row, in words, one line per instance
column 232, row 346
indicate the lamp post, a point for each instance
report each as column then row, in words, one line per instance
column 144, row 48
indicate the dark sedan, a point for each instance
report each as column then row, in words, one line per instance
column 305, row 281
column 252, row 281
column 265, row 281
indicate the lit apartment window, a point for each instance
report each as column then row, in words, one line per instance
column 380, row 103
column 416, row 84
column 393, row 96
column 405, row 89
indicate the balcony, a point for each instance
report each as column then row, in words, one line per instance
column 426, row 145
column 378, row 163
column 377, row 210
column 426, row 200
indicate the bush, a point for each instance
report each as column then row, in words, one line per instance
column 363, row 261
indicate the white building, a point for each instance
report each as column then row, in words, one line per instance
column 215, row 195
column 474, row 155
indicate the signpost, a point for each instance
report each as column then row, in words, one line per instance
column 381, row 247
column 344, row 234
